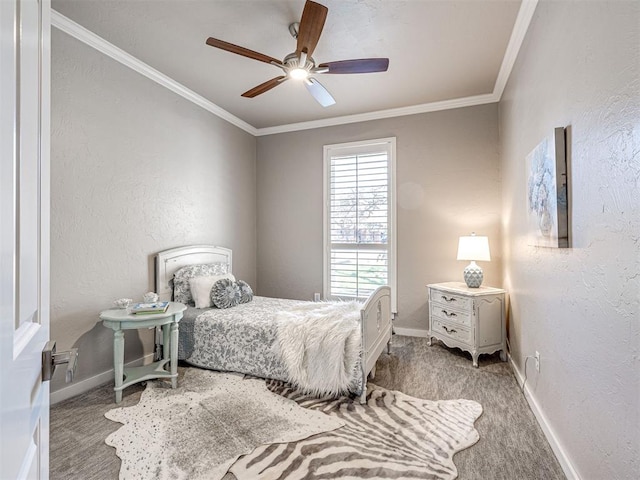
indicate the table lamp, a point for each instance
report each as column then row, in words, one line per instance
column 473, row 248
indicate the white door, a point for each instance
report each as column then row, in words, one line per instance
column 24, row 237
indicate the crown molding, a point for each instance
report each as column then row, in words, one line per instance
column 77, row 31
column 380, row 114
column 520, row 28
column 521, row 25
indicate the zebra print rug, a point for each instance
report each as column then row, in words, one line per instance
column 393, row 436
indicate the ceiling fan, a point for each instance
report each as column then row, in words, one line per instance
column 299, row 65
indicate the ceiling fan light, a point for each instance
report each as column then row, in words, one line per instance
column 298, row 73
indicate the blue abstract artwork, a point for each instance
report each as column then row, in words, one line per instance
column 547, row 199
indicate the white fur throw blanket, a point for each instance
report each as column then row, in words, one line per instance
column 320, row 346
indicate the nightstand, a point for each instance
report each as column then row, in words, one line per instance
column 119, row 319
column 472, row 319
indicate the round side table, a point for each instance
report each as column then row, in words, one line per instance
column 119, row 319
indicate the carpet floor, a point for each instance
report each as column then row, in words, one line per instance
column 511, row 446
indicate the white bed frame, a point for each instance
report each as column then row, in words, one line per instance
column 376, row 314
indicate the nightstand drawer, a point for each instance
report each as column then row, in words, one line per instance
column 458, row 302
column 447, row 313
column 452, row 331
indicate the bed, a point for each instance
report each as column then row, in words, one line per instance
column 264, row 337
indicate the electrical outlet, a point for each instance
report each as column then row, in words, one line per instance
column 537, row 361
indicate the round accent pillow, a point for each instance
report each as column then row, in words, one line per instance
column 225, row 293
column 246, row 294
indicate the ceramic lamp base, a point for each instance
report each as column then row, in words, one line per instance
column 473, row 275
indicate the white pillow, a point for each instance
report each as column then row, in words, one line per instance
column 201, row 288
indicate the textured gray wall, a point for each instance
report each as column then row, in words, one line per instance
column 135, row 169
column 580, row 307
column 448, row 184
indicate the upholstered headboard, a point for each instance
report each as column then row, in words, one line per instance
column 168, row 261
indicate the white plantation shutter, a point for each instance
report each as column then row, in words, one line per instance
column 359, row 219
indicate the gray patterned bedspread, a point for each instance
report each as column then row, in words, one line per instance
column 239, row 339
column 185, row 339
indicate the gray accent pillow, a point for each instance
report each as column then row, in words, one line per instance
column 225, row 293
column 201, row 288
column 246, row 294
column 181, row 287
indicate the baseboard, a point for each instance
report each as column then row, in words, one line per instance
column 410, row 332
column 556, row 446
column 87, row 384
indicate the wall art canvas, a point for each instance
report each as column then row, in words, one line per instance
column 547, row 198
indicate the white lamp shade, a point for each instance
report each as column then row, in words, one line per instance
column 473, row 247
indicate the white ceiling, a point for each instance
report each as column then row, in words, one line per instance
column 439, row 50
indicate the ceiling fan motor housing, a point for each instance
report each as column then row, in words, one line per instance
column 291, row 62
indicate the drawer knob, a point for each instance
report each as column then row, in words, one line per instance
column 449, row 330
column 452, row 314
column 448, row 299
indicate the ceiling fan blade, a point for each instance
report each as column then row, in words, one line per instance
column 263, row 87
column 322, row 96
column 245, row 52
column 311, row 25
column 362, row 65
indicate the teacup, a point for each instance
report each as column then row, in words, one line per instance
column 150, row 297
column 123, row 302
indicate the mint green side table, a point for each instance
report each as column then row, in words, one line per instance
column 119, row 320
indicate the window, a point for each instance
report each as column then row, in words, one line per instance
column 359, row 219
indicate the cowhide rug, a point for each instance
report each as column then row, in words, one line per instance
column 393, row 436
column 198, row 430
